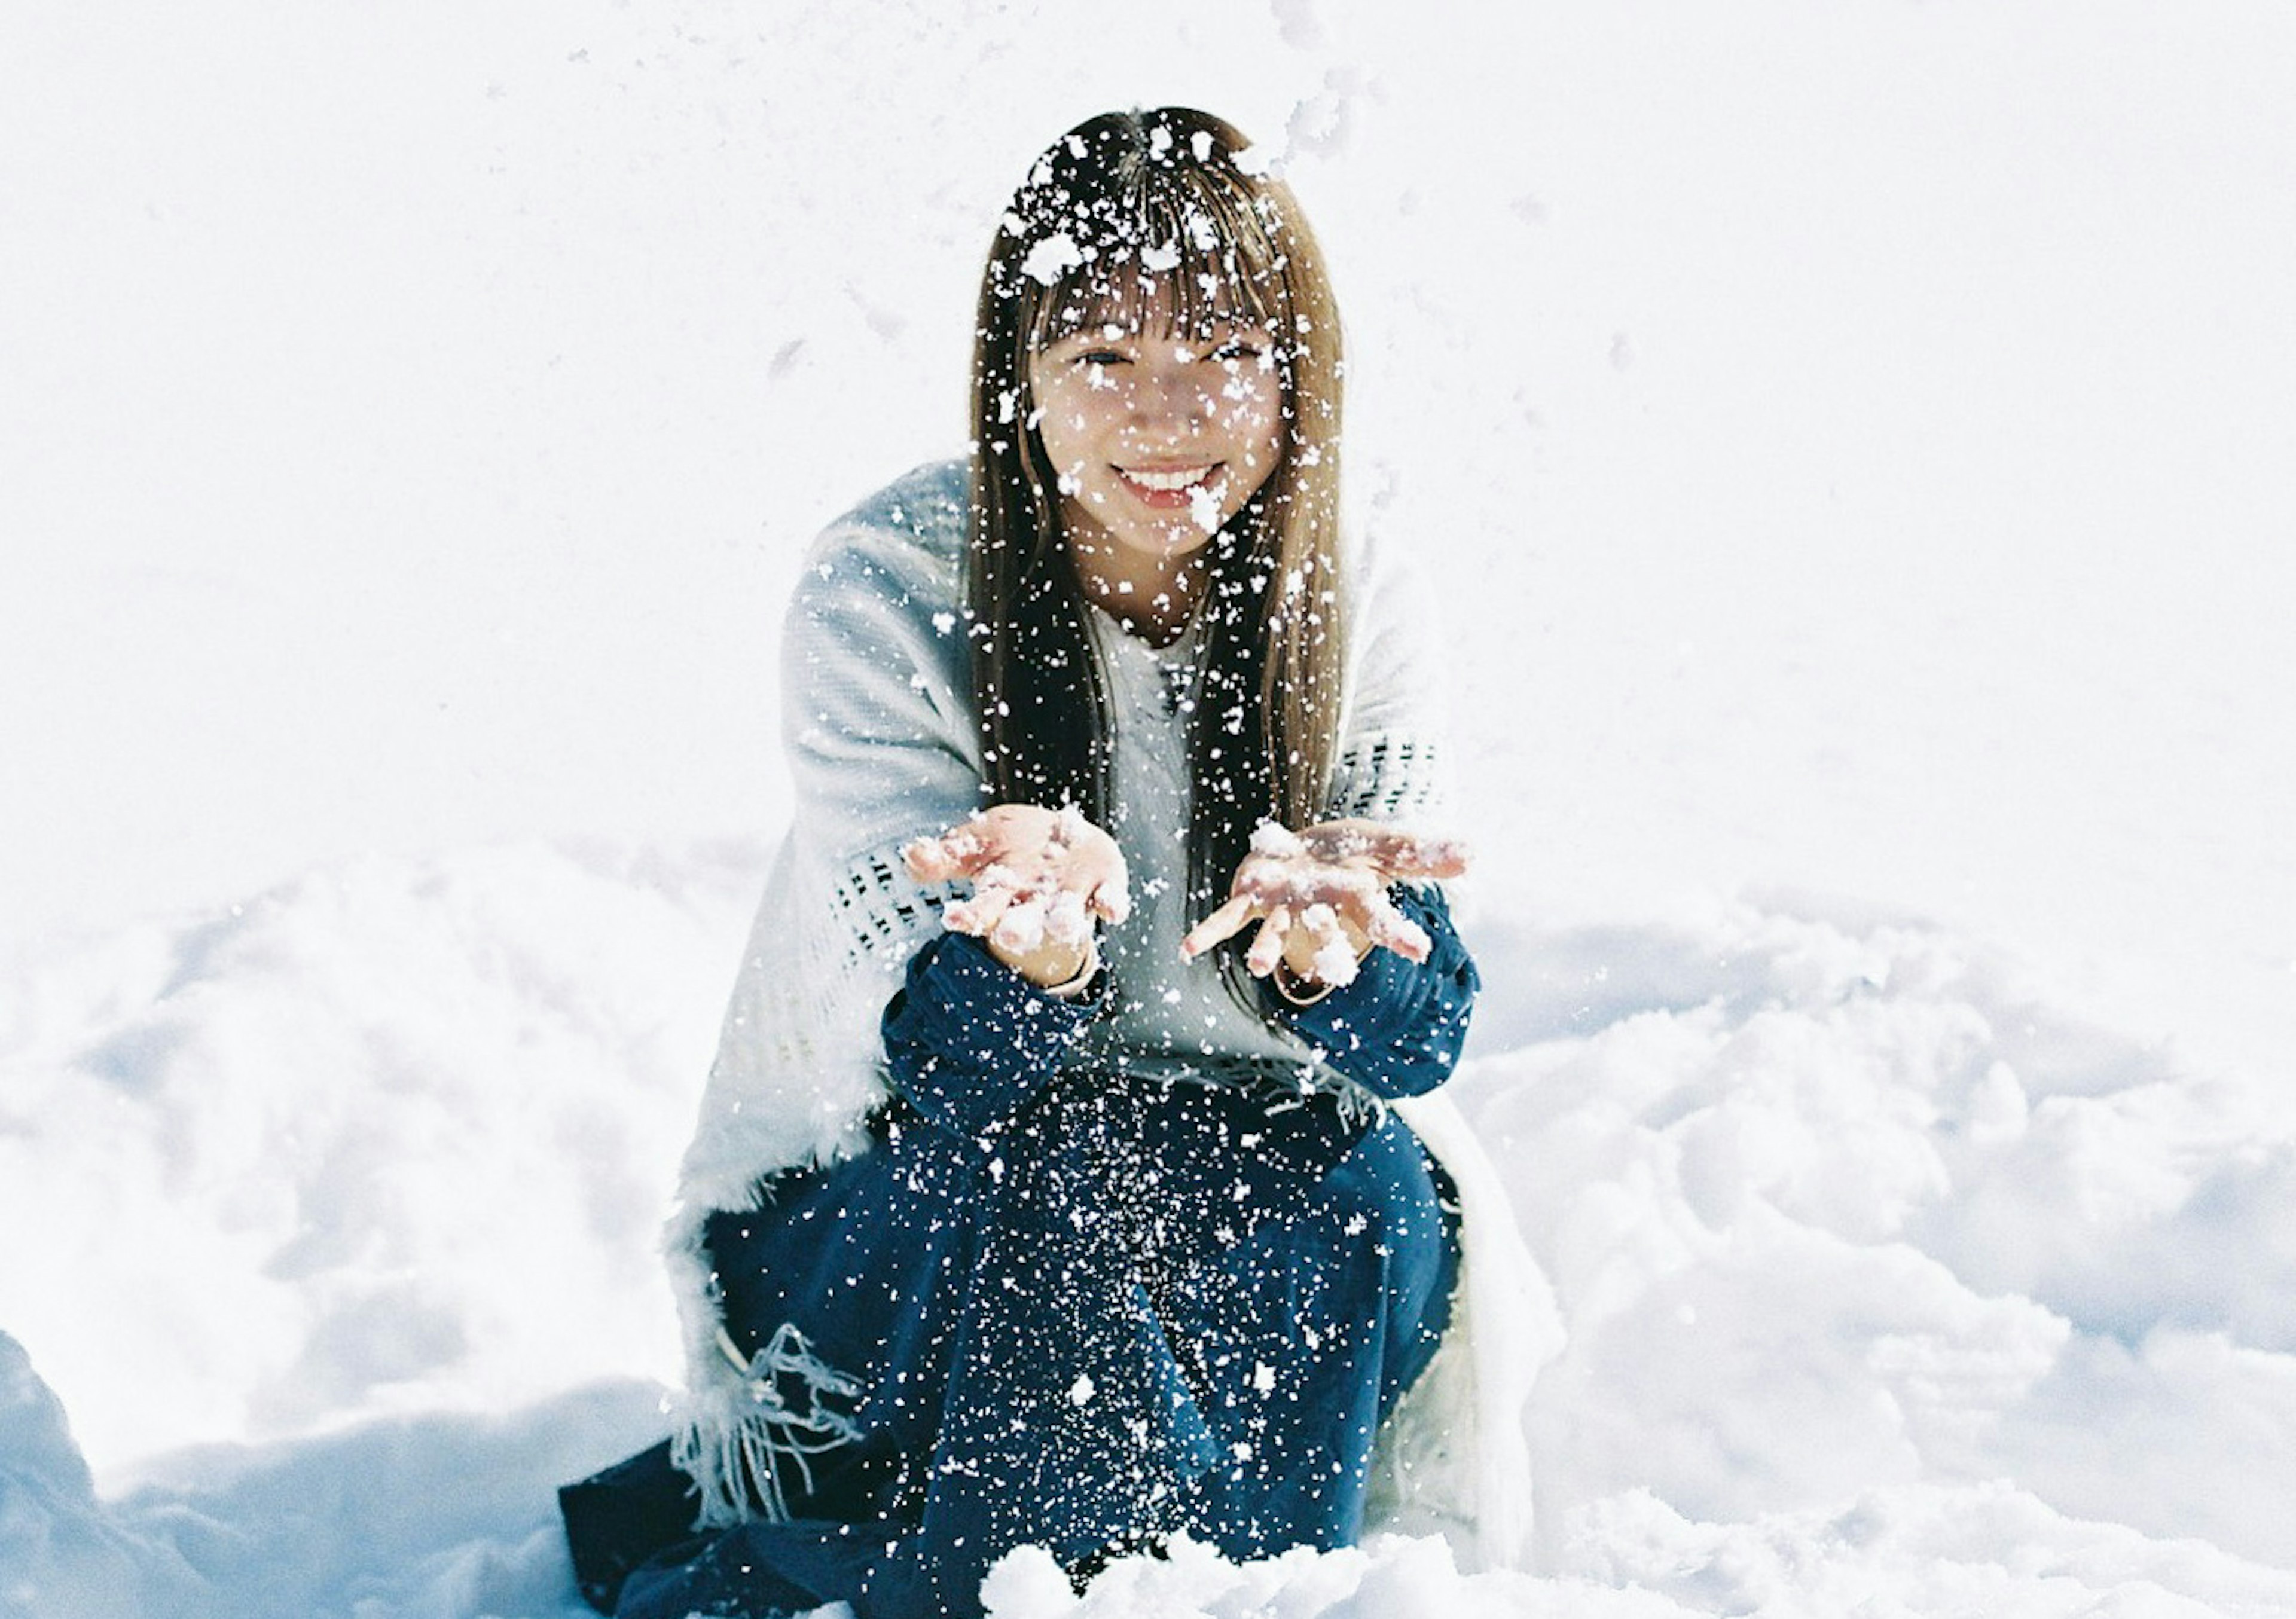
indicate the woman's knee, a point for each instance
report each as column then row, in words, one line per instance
column 1384, row 1197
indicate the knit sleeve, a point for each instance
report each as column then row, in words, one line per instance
column 880, row 745
column 877, row 733
column 1398, row 1028
column 876, row 729
column 1394, row 756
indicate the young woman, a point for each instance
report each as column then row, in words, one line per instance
column 1070, row 1208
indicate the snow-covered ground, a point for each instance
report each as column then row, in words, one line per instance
column 332, row 1220
column 1859, row 443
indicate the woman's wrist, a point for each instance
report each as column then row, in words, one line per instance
column 1312, row 966
column 1299, row 989
column 1060, row 970
column 1076, row 983
column 1306, row 987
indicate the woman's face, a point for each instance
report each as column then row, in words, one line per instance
column 1158, row 440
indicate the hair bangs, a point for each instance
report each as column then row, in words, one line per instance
column 1154, row 248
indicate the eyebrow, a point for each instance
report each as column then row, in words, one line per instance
column 1114, row 333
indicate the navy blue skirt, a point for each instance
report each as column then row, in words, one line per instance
column 1139, row 1307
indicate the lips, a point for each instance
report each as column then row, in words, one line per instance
column 1169, row 488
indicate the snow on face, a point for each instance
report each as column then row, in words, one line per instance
column 1157, row 437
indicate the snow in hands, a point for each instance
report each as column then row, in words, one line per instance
column 1320, row 897
column 1041, row 878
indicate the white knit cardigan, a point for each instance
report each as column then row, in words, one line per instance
column 879, row 728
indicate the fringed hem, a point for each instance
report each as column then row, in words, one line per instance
column 753, row 1436
column 797, row 1077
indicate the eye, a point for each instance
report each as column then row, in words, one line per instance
column 1238, row 351
column 1100, row 357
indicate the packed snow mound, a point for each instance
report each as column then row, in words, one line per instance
column 1831, row 1203
column 60, row 1553
column 393, row 1138
column 1888, row 1287
column 422, row 1517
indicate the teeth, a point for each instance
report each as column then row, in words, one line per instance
column 1170, row 480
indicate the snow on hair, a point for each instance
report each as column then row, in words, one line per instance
column 1165, row 219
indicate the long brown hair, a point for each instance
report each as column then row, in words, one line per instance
column 1132, row 216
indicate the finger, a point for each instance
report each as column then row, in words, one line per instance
column 1109, row 900
column 929, row 860
column 1335, row 959
column 1221, row 924
column 1389, row 928
column 1068, row 829
column 1066, row 922
column 1398, row 852
column 1021, row 928
column 1321, row 923
column 1101, row 877
column 1421, row 858
column 953, row 853
column 980, row 914
column 1267, row 944
column 1336, row 963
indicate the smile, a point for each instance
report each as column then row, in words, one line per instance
column 1167, row 486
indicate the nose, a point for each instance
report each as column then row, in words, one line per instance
column 1169, row 395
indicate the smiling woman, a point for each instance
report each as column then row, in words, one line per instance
column 1159, row 437
column 1054, row 1214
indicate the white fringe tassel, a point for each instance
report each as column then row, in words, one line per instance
column 747, row 1449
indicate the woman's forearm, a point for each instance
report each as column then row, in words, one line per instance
column 1398, row 1028
column 969, row 1040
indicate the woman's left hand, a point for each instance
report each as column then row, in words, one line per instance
column 1320, row 897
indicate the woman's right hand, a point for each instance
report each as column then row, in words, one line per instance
column 1041, row 880
column 1320, row 898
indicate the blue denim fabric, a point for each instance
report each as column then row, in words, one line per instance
column 1397, row 1030
column 1083, row 1310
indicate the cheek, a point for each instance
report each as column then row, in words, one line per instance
column 1253, row 417
column 1060, row 432
column 1262, row 430
column 1070, row 424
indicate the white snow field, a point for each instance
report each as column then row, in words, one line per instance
column 1855, row 445
column 332, row 1219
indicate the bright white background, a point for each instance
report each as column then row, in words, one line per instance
column 1862, row 437
column 1857, row 442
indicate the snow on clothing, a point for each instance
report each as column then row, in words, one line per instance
column 1075, row 1307
column 882, row 743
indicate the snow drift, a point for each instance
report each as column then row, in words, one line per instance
column 332, row 1219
